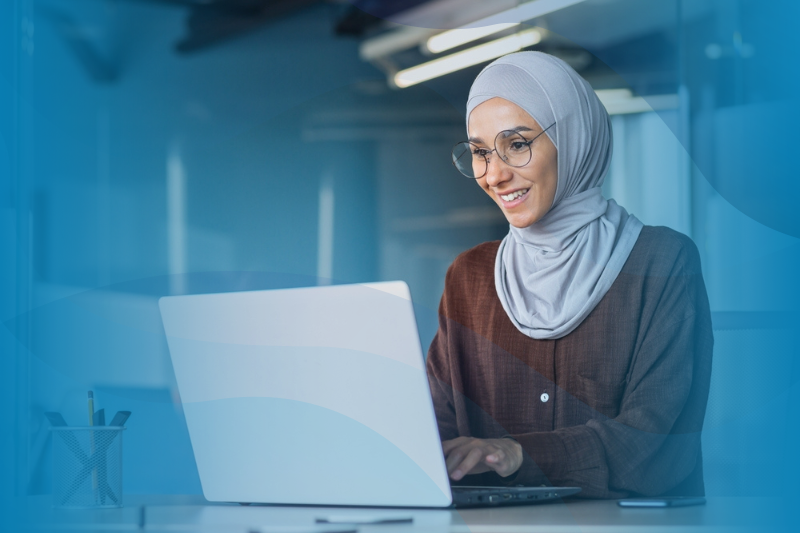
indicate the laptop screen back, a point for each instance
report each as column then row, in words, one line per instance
column 307, row 396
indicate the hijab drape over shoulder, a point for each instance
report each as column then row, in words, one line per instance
column 552, row 274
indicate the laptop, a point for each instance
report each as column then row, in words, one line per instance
column 315, row 396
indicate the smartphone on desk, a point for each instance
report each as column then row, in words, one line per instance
column 674, row 501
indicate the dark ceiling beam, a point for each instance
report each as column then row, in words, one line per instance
column 211, row 23
column 364, row 15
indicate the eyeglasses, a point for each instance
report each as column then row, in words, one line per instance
column 511, row 146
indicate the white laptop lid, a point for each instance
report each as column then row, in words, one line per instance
column 307, row 396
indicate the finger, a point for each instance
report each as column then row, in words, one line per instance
column 448, row 445
column 454, row 458
column 473, row 458
column 495, row 458
column 473, row 462
column 452, row 461
column 506, row 464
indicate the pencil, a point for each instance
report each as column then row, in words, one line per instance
column 91, row 444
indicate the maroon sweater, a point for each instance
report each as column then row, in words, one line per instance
column 615, row 407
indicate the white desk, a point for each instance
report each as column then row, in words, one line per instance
column 193, row 513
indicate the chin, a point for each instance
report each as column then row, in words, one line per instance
column 521, row 221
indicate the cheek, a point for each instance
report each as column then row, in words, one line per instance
column 552, row 183
column 549, row 179
column 544, row 180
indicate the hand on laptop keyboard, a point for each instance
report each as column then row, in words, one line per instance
column 467, row 455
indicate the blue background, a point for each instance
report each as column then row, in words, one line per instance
column 129, row 171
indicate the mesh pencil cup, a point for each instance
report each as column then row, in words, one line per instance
column 87, row 467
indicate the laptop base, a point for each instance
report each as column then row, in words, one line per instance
column 464, row 496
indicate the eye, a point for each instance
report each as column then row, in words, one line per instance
column 480, row 152
column 519, row 145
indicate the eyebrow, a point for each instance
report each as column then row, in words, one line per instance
column 518, row 129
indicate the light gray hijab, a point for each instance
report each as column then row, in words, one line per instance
column 552, row 274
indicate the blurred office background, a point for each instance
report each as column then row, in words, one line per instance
column 150, row 148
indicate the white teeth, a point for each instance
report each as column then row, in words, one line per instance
column 513, row 195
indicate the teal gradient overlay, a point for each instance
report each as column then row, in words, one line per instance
column 83, row 202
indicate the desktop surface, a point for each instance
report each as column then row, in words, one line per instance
column 194, row 513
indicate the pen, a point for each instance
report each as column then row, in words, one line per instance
column 91, row 443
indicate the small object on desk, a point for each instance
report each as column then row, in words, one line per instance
column 72, row 463
column 120, row 418
column 674, row 501
column 92, row 445
column 365, row 520
column 314, row 531
column 91, row 408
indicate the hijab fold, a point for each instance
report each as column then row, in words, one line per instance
column 552, row 274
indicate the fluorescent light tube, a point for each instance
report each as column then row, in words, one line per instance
column 466, row 58
column 453, row 38
column 392, row 42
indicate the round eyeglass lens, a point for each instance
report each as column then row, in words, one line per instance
column 469, row 160
column 513, row 148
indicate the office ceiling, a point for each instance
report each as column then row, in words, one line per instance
column 596, row 22
column 212, row 21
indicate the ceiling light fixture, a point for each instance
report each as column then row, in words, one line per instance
column 392, row 42
column 495, row 23
column 454, row 38
column 466, row 58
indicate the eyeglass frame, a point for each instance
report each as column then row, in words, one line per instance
column 486, row 156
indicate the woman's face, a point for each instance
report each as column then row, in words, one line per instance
column 537, row 180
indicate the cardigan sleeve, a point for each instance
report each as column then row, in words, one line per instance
column 653, row 444
column 438, row 370
column 441, row 393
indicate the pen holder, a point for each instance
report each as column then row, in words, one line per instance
column 87, row 467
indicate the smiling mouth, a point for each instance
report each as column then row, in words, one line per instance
column 514, row 195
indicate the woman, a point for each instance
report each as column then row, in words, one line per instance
column 576, row 351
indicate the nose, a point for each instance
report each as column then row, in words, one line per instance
column 497, row 172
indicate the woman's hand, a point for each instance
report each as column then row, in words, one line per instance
column 466, row 455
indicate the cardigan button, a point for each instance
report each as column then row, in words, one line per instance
column 544, row 397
